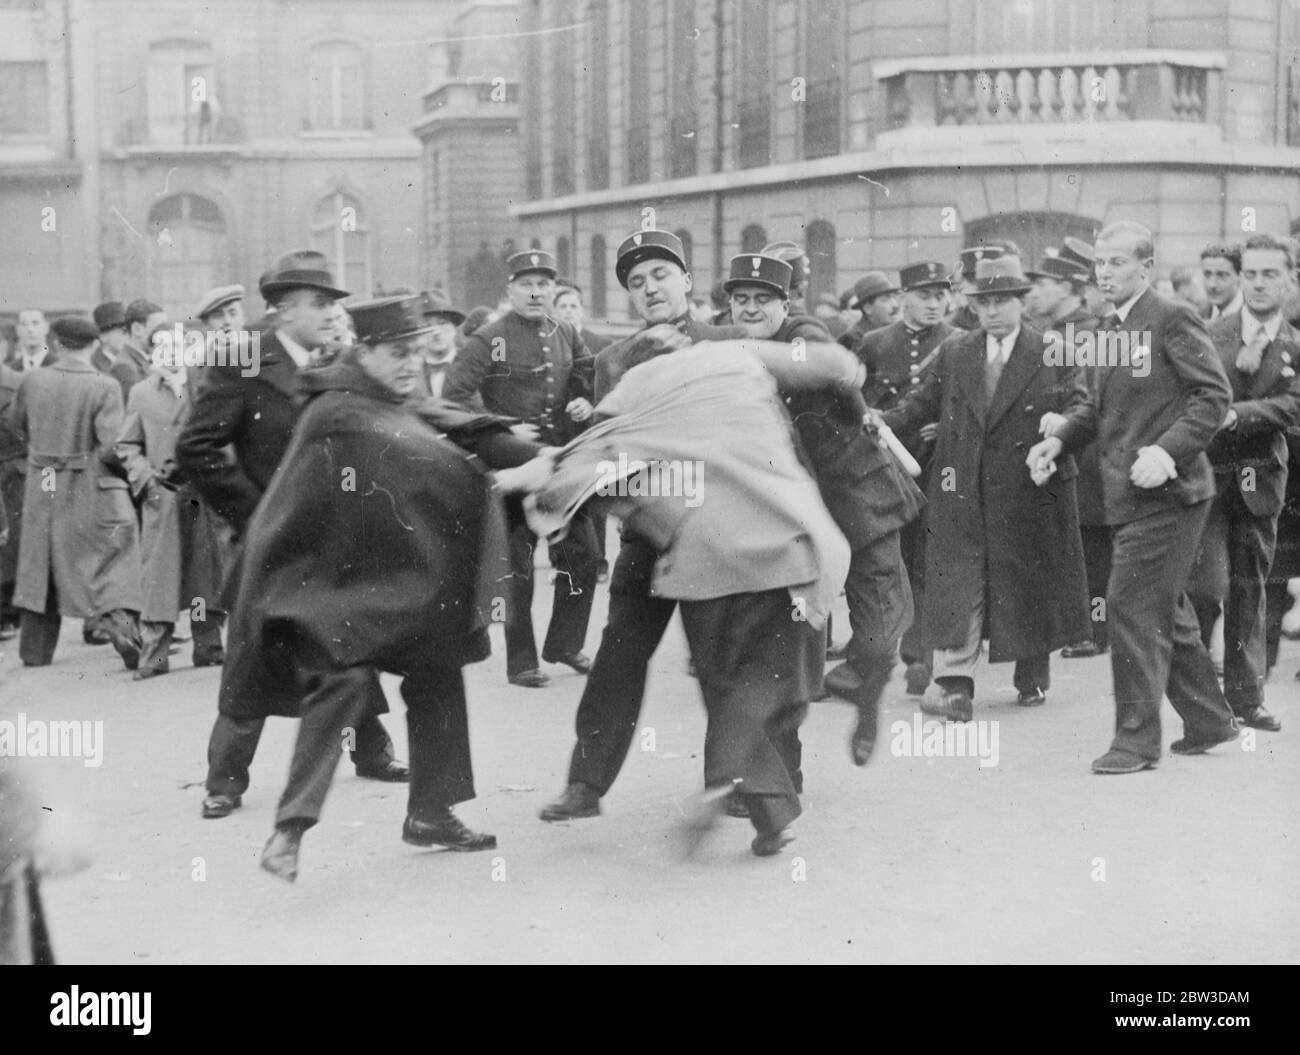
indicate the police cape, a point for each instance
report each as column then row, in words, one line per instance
column 378, row 542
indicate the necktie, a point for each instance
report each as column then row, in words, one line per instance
column 992, row 373
column 1248, row 359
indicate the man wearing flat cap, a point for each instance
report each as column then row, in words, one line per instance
column 651, row 266
column 1003, row 561
column 521, row 366
column 875, row 296
column 896, row 357
column 80, row 546
column 399, row 578
column 862, row 486
column 255, row 417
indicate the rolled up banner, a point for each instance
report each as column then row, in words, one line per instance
column 910, row 465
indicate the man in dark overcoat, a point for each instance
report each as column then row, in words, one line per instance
column 1003, row 560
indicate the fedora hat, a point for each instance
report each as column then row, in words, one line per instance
column 1001, row 275
column 872, row 284
column 301, row 269
column 436, row 306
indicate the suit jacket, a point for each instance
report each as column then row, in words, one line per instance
column 992, row 535
column 1176, row 399
column 1252, row 456
column 254, row 415
column 616, row 360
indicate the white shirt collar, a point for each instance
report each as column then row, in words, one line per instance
column 32, row 362
column 1001, row 349
column 1251, row 326
column 299, row 354
column 1237, row 303
column 1123, row 309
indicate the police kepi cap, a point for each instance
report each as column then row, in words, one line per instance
column 649, row 244
column 919, row 276
column 531, row 260
column 754, row 269
column 389, row 319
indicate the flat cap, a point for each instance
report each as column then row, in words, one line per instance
column 74, row 332
column 218, row 298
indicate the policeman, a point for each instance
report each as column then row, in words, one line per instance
column 896, row 358
column 520, row 366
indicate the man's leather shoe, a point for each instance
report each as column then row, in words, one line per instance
column 92, row 636
column 1121, row 762
column 769, row 844
column 578, row 801
column 1260, row 718
column 144, row 673
column 530, row 679
column 844, row 682
column 918, row 679
column 280, row 856
column 8, row 632
column 737, row 806
column 446, row 831
column 863, row 740
column 1082, row 650
column 955, row 705
column 1188, row 746
column 1032, row 699
column 576, row 660
column 391, row 771
column 218, row 806
column 210, row 661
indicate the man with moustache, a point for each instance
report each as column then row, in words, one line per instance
column 1259, row 350
column 520, row 366
column 875, row 297
column 866, row 495
column 897, row 357
column 1152, row 423
column 255, row 417
column 1221, row 273
column 132, row 364
column 651, row 266
column 1002, row 562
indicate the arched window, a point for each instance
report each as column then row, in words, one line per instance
column 182, row 101
column 339, row 230
column 599, row 277
column 1033, row 232
column 688, row 245
column 562, row 257
column 189, row 252
column 819, row 244
column 753, row 238
column 336, row 82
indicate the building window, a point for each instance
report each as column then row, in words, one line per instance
column 823, row 37
column 598, row 97
column 682, row 151
column 339, row 231
column 598, row 276
column 752, row 239
column 1022, row 27
column 183, row 103
column 188, row 251
column 562, row 257
column 688, row 245
column 336, row 98
column 24, row 99
column 638, row 96
column 561, row 103
column 1033, row 232
column 754, row 93
column 819, row 244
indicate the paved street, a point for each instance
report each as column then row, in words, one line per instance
column 912, row 859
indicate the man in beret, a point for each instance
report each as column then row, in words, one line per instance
column 80, row 546
column 896, row 357
column 133, row 363
column 651, row 266
column 875, row 296
column 399, row 578
column 254, row 417
column 869, row 499
column 1002, row 561
column 110, row 318
column 520, row 366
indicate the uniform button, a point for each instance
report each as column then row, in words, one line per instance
column 913, row 369
column 915, row 353
column 916, row 380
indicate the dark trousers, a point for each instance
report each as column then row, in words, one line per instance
column 1241, row 545
column 157, row 641
column 575, row 561
column 1156, row 647
column 912, row 547
column 880, row 612
column 1096, row 562
column 9, row 615
column 611, row 699
column 437, row 723
column 748, row 655
column 39, row 631
column 233, row 742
